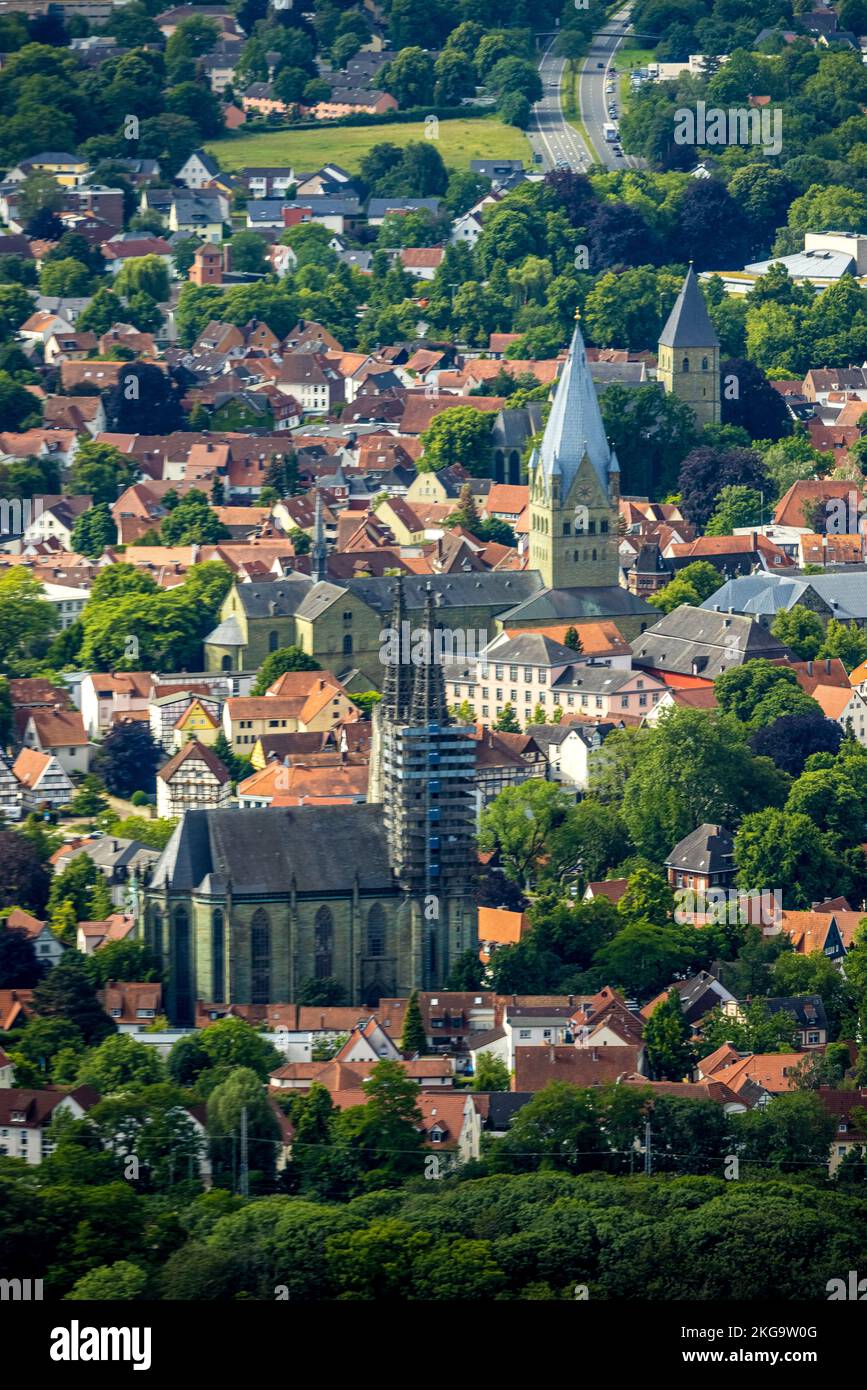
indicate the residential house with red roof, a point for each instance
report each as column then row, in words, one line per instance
column 26, row 1116
column 60, row 732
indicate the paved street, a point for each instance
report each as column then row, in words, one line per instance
column 550, row 133
column 592, row 97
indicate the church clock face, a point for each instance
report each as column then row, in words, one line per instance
column 584, row 493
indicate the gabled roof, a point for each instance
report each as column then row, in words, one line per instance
column 196, row 752
column 688, row 325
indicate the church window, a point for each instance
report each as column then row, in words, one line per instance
column 226, row 663
column 603, row 527
column 347, row 616
column 566, row 528
column 218, row 959
column 376, row 931
column 685, row 364
column 156, row 935
column 594, row 552
column 183, row 969
column 260, row 958
column 591, row 528
column 347, row 644
column 273, row 641
column 323, row 943
column 704, row 364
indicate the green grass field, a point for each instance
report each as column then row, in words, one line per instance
column 458, row 142
column 630, row 56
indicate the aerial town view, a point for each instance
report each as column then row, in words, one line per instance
column 433, row 659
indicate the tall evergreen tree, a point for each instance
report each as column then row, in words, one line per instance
column 413, row 1038
column 67, row 992
column 573, row 640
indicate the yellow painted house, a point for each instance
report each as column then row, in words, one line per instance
column 196, row 724
column 401, row 520
column 68, row 169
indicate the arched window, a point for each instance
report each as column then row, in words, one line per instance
column 376, row 931
column 347, row 644
column 684, row 366
column 226, row 663
column 323, row 943
column 499, row 470
column 183, row 969
column 704, row 364
column 154, row 939
column 260, row 958
column 273, row 641
column 218, row 959
column 514, row 468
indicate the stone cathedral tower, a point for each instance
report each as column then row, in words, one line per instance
column 574, row 480
column 422, row 771
column 689, row 353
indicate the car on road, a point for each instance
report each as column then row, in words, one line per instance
column 618, row 153
column 600, row 65
column 537, row 158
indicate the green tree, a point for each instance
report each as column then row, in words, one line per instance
column 101, row 471
column 458, row 434
column 67, row 993
column 642, row 958
column 118, row 1282
column 648, row 898
column 19, row 409
column 384, row 1136
column 736, row 506
column 507, row 722
column 558, row 1129
column 786, row 851
column 120, row 1062
column 143, row 275
column 693, row 584
column 413, row 1038
column 129, row 758
column 572, row 639
column 491, row 1073
column 278, row 663
column 193, row 522
column 93, row 531
column 801, row 630
column 668, row 1040
column 242, row 1092
column 691, row 768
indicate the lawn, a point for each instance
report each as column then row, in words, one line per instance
column 630, row 56
column 458, row 142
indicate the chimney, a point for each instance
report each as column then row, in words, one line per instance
column 809, row 668
column 827, row 665
column 755, row 540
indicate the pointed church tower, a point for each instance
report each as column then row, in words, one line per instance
column 689, row 353
column 574, row 480
column 319, row 549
